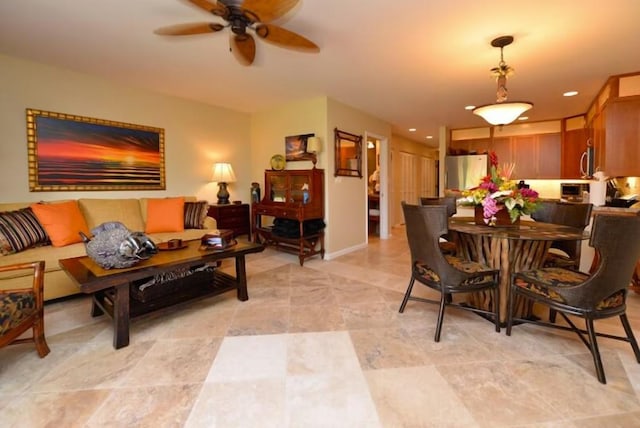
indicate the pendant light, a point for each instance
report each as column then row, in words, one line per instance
column 502, row 112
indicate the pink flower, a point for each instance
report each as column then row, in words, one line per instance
column 490, row 207
column 490, row 186
column 528, row 193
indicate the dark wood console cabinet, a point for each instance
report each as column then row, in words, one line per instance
column 232, row 216
column 294, row 195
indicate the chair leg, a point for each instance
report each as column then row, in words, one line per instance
column 407, row 295
column 512, row 297
column 552, row 315
column 630, row 336
column 595, row 352
column 38, row 338
column 443, row 300
column 496, row 310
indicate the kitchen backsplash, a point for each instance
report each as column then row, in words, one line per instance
column 628, row 185
column 550, row 189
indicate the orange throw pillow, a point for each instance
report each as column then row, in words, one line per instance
column 62, row 221
column 165, row 215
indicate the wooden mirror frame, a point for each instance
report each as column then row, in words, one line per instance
column 348, row 144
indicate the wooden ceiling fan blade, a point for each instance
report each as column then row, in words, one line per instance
column 285, row 38
column 215, row 7
column 189, row 29
column 243, row 47
column 269, row 10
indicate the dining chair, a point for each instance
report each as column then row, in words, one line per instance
column 23, row 308
column 564, row 253
column 447, row 244
column 597, row 295
column 446, row 274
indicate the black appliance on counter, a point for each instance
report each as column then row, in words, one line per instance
column 614, row 197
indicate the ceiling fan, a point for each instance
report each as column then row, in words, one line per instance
column 242, row 16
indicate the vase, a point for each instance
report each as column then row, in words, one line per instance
column 502, row 217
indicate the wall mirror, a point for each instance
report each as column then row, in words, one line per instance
column 348, row 154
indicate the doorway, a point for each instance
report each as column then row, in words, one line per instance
column 376, row 161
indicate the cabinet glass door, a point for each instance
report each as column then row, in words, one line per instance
column 300, row 190
column 278, row 184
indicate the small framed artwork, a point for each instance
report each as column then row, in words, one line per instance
column 296, row 147
column 75, row 153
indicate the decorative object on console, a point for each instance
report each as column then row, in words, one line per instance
column 75, row 153
column 502, row 112
column 223, row 174
column 498, row 192
column 115, row 246
column 278, row 162
column 255, row 192
column 217, row 240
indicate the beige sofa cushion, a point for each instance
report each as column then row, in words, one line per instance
column 126, row 211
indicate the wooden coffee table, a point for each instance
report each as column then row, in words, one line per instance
column 110, row 289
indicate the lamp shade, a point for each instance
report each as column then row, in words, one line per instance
column 502, row 113
column 314, row 145
column 223, row 173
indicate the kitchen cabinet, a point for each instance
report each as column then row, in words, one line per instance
column 536, row 155
column 621, row 143
column 472, row 146
column 574, row 144
column 549, row 150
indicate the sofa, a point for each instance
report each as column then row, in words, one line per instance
column 150, row 215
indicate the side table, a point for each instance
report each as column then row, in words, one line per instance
column 232, row 216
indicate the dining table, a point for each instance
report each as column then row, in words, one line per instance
column 510, row 249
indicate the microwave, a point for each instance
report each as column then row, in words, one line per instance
column 573, row 192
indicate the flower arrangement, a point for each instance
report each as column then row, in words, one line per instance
column 497, row 191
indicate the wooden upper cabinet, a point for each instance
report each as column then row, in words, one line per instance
column 524, row 155
column 502, row 147
column 622, row 137
column 574, row 144
column 549, row 153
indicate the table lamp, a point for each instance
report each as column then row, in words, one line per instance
column 314, row 147
column 223, row 174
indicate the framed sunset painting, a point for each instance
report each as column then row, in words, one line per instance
column 75, row 153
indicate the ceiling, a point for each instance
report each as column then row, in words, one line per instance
column 413, row 63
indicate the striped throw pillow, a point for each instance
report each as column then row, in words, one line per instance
column 194, row 214
column 20, row 230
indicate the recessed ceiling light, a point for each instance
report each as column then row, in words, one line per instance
column 570, row 94
column 523, row 118
column 412, row 129
column 469, row 107
column 429, row 137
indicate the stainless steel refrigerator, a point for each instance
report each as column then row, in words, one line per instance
column 465, row 172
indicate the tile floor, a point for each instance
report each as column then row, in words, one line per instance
column 316, row 346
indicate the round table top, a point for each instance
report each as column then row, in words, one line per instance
column 528, row 230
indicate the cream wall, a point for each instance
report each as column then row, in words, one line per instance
column 346, row 209
column 345, row 197
column 196, row 135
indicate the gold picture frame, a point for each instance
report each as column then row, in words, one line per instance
column 68, row 152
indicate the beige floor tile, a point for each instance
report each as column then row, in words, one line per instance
column 417, row 397
column 321, row 345
column 166, row 406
